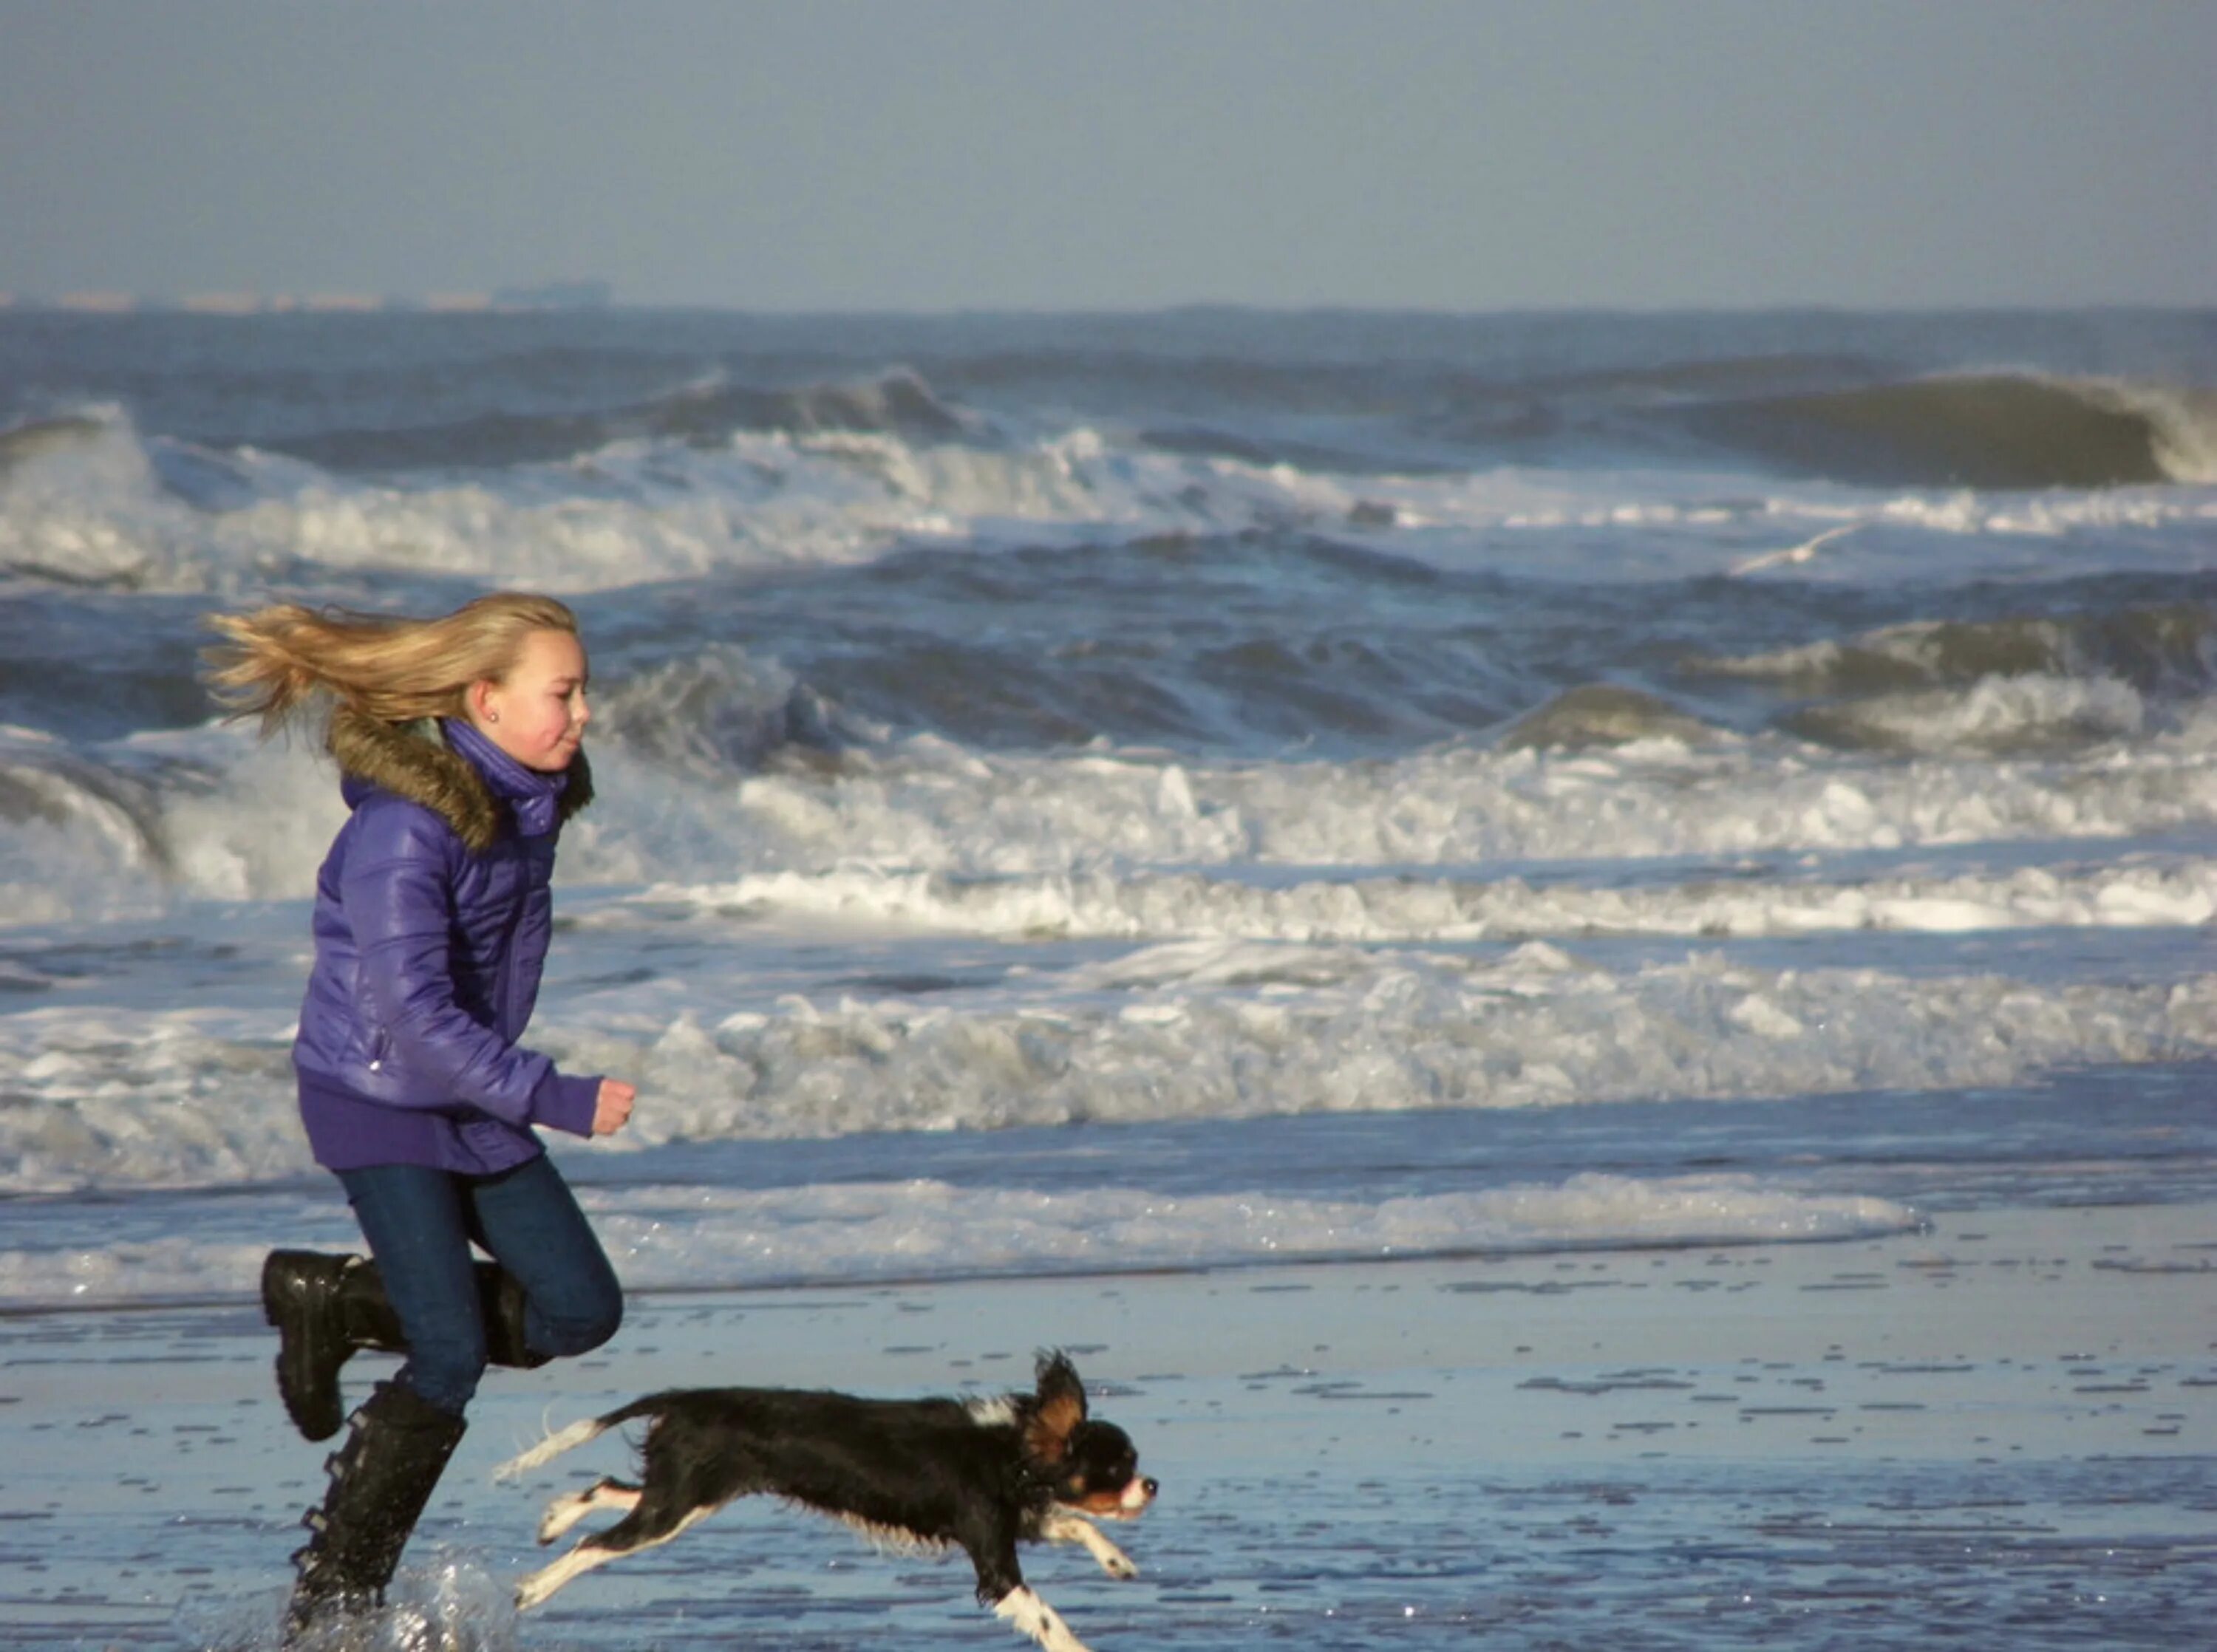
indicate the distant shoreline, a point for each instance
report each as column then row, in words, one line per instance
column 560, row 296
column 247, row 305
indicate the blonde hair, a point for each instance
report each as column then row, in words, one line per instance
column 279, row 661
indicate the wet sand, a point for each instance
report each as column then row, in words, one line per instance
column 2011, row 1417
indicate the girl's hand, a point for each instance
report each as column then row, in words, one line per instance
column 613, row 1109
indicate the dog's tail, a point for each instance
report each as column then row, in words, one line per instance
column 553, row 1446
column 568, row 1439
column 576, row 1434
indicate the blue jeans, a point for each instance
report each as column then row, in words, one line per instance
column 420, row 1223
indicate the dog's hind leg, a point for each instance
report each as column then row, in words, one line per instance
column 1075, row 1528
column 644, row 1527
column 1022, row 1609
column 567, row 1510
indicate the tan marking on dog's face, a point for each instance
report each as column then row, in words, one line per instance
column 1127, row 1504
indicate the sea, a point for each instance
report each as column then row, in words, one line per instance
column 1210, row 789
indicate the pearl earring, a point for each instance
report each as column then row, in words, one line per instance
column 492, row 717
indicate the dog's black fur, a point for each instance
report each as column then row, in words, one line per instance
column 980, row 1476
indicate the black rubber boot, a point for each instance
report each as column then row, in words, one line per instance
column 381, row 1478
column 324, row 1308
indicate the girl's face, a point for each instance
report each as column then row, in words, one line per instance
column 537, row 713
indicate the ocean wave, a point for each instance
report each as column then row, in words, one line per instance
column 111, row 1096
column 34, row 439
column 2022, row 684
column 127, row 828
column 1990, row 431
column 2001, row 716
column 711, row 771
column 1186, row 1032
column 205, row 1096
column 95, row 509
column 167, row 1098
column 97, row 667
column 1744, row 899
column 930, row 807
column 1602, row 714
column 77, row 837
column 720, row 713
column 1842, row 419
column 691, row 1238
column 705, row 414
column 1763, row 373
column 83, row 506
column 2173, row 645
column 88, row 502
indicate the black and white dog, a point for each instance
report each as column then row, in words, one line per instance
column 980, row 1474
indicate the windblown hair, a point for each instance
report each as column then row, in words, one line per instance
column 279, row 663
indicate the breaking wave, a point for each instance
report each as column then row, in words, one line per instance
column 1602, row 714
column 1991, row 430
column 2000, row 687
column 2171, row 645
column 705, row 414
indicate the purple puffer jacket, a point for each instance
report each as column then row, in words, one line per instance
column 432, row 917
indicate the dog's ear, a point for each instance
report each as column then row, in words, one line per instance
column 1060, row 1408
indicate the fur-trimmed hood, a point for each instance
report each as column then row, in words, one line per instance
column 413, row 760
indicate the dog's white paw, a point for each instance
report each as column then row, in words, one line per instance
column 1114, row 1561
column 562, row 1514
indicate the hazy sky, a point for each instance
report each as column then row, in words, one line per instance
column 938, row 154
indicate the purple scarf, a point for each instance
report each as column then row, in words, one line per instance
column 533, row 797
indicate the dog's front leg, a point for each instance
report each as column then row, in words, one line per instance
column 1022, row 1608
column 532, row 1590
column 1001, row 1585
column 1075, row 1528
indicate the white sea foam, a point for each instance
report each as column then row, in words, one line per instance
column 683, row 1236
column 931, row 807
column 690, row 1237
column 89, row 508
column 95, row 509
column 1172, row 905
column 126, row 829
column 206, row 813
column 1240, row 1030
column 737, row 1039
column 119, row 1097
column 2183, row 421
column 78, row 838
column 1997, row 713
